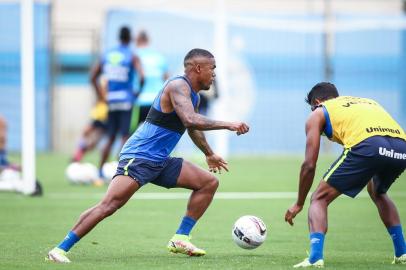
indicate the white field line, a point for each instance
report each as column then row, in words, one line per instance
column 185, row 195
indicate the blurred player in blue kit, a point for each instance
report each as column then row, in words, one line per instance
column 118, row 66
column 145, row 157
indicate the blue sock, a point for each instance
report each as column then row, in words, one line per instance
column 69, row 241
column 398, row 240
column 3, row 158
column 316, row 246
column 186, row 225
column 101, row 174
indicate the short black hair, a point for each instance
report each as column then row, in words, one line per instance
column 197, row 53
column 321, row 91
column 125, row 34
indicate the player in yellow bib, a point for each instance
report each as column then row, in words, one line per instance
column 93, row 132
column 374, row 155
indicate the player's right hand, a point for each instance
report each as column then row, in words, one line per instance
column 239, row 127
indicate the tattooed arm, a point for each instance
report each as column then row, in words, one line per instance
column 215, row 162
column 179, row 94
column 200, row 141
column 198, row 137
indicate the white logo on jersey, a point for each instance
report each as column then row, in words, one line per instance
column 116, row 73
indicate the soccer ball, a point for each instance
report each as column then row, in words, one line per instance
column 249, row 232
column 9, row 174
column 81, row 173
column 109, row 169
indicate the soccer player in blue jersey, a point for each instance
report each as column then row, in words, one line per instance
column 145, row 157
column 374, row 156
column 155, row 69
column 118, row 66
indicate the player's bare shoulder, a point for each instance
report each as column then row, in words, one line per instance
column 178, row 86
column 175, row 93
column 316, row 119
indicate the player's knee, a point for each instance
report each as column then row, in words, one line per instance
column 324, row 194
column 213, row 183
column 379, row 198
column 315, row 197
column 318, row 198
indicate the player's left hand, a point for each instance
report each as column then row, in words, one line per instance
column 216, row 163
column 292, row 212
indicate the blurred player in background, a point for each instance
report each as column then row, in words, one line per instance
column 146, row 157
column 156, row 73
column 96, row 129
column 10, row 173
column 374, row 155
column 3, row 135
column 118, row 66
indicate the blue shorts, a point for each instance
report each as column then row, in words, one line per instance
column 164, row 174
column 119, row 122
column 380, row 158
column 99, row 124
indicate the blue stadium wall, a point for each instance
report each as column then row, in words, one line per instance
column 10, row 75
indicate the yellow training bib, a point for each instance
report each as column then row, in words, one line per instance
column 350, row 120
column 99, row 111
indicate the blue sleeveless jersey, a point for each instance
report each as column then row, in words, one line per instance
column 119, row 71
column 152, row 141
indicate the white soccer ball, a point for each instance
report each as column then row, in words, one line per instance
column 249, row 232
column 9, row 174
column 72, row 172
column 90, row 173
column 109, row 169
column 81, row 173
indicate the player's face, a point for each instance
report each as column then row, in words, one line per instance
column 207, row 73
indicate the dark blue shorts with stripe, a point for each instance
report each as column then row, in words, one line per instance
column 164, row 174
column 380, row 158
